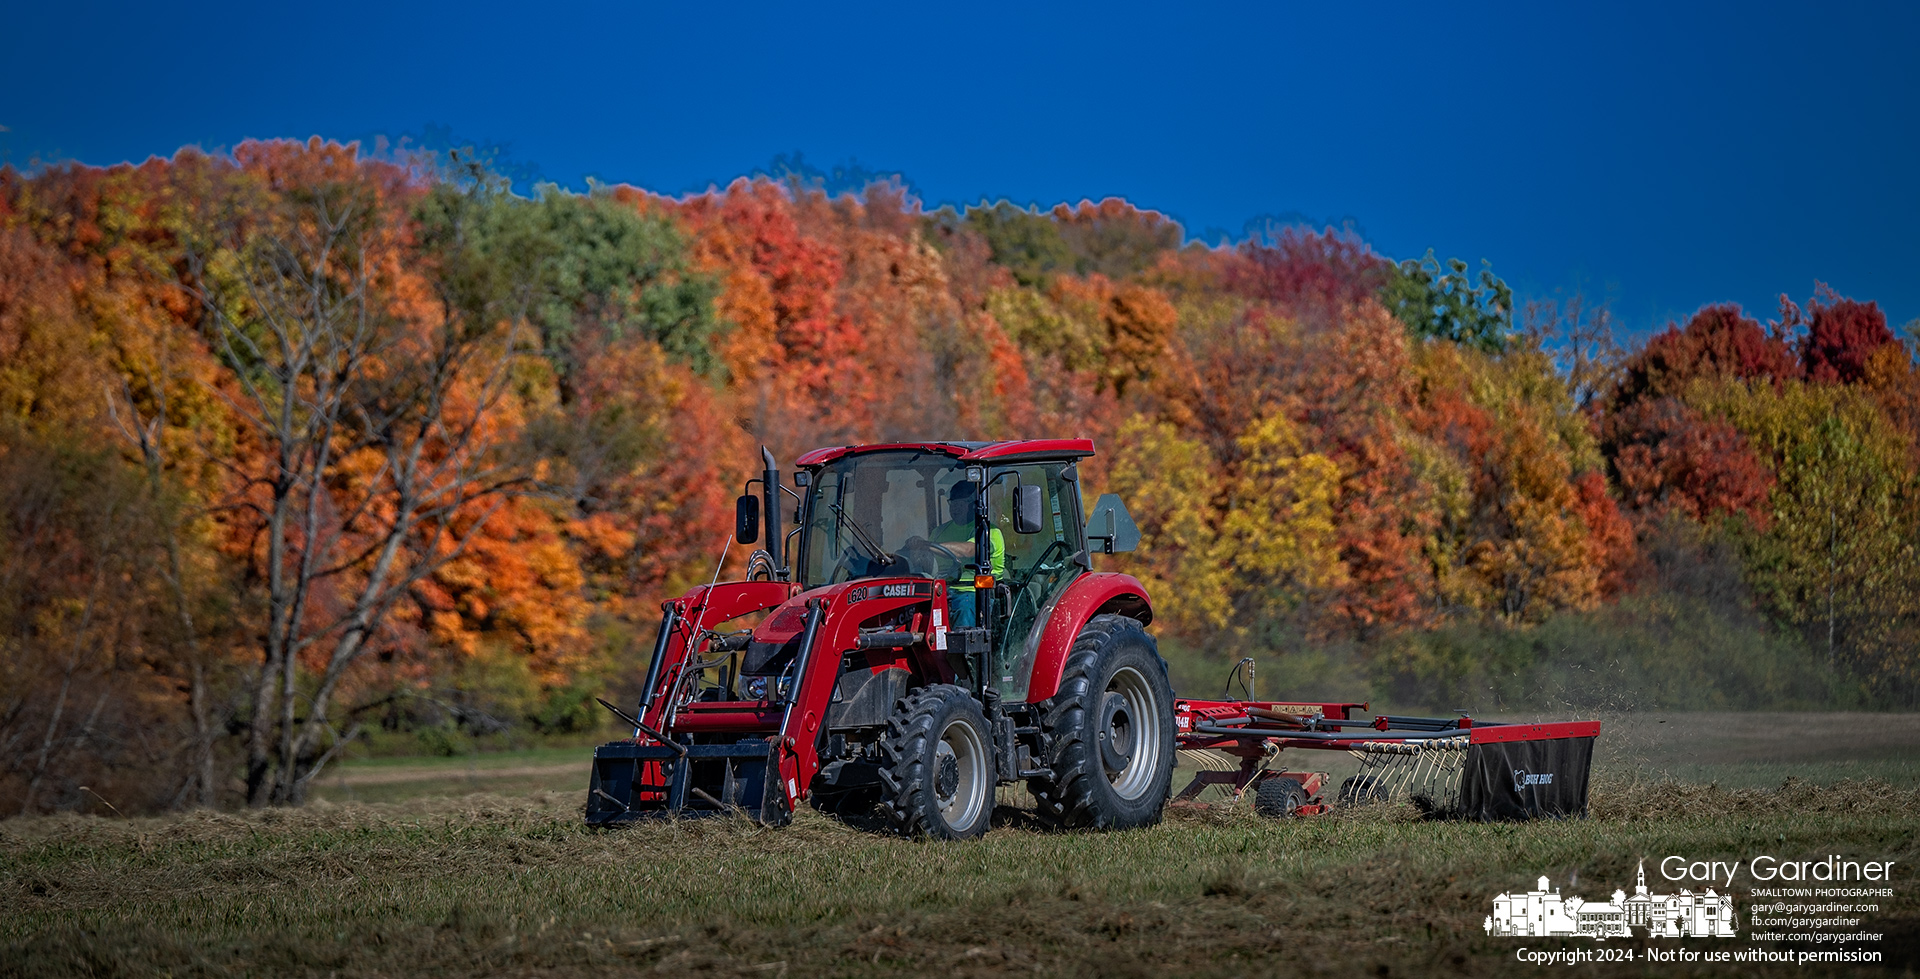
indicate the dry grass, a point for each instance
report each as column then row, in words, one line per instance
column 1750, row 750
column 495, row 886
column 512, row 884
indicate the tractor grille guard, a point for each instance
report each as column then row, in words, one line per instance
column 633, row 781
column 658, row 774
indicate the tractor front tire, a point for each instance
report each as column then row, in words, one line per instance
column 937, row 776
column 1111, row 734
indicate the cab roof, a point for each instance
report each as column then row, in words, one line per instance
column 1015, row 450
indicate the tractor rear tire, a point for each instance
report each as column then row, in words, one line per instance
column 1110, row 730
column 936, row 777
column 1279, row 798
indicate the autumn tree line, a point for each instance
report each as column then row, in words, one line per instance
column 301, row 448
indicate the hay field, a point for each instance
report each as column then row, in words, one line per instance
column 505, row 773
column 515, row 886
column 1745, row 750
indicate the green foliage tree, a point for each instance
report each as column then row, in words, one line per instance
column 1838, row 558
column 1025, row 242
column 574, row 261
column 1063, row 335
column 1444, row 302
column 1114, row 238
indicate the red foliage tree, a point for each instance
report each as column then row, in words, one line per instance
column 1609, row 533
column 1719, row 340
column 750, row 229
column 1667, row 455
column 1842, row 335
column 1355, row 389
column 1302, row 266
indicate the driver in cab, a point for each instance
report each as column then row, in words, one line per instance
column 956, row 537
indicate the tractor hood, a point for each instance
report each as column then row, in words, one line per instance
column 776, row 641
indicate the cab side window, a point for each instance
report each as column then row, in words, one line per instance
column 1039, row 566
column 1024, row 551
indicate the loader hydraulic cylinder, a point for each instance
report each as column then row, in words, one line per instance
column 660, row 643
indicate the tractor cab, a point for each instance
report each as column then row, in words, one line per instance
column 1003, row 533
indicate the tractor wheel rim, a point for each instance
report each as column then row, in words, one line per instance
column 960, row 761
column 1116, row 733
column 1138, row 736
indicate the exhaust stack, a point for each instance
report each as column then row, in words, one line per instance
column 770, row 495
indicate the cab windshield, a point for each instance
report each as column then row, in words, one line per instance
column 887, row 513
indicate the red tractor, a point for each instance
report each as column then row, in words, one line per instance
column 939, row 631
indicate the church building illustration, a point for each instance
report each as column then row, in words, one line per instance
column 1545, row 913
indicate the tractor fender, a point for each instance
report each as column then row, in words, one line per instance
column 1091, row 594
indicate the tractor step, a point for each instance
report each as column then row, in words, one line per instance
column 631, row 781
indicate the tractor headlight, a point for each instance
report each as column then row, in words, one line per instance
column 757, row 687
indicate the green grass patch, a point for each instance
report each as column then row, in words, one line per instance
column 397, row 779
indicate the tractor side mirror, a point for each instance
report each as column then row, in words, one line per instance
column 746, row 519
column 802, row 479
column 1027, row 500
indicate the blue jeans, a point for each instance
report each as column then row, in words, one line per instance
column 961, row 608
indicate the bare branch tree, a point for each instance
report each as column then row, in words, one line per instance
column 329, row 369
column 1579, row 334
column 147, row 435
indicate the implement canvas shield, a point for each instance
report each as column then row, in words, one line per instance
column 1526, row 779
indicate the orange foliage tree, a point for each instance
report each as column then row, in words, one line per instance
column 389, row 421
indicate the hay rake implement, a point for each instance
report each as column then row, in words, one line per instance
column 1448, row 767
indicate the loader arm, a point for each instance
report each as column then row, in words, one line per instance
column 759, row 756
column 685, row 619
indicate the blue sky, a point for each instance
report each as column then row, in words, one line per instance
column 1659, row 156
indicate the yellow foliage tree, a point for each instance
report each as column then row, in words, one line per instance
column 1838, row 558
column 1169, row 484
column 1277, row 532
column 1222, row 551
